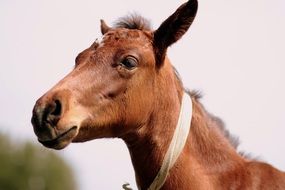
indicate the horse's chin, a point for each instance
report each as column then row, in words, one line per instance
column 62, row 140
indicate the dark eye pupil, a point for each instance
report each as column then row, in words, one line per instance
column 129, row 63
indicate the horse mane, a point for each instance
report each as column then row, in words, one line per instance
column 197, row 95
column 232, row 139
column 133, row 21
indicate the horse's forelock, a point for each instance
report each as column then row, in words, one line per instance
column 133, row 21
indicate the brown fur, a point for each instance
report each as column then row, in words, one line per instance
column 126, row 87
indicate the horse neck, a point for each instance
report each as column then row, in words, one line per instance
column 148, row 145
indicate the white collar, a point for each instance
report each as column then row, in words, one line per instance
column 177, row 143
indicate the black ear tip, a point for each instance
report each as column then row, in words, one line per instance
column 192, row 3
column 192, row 7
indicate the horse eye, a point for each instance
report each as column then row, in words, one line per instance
column 129, row 62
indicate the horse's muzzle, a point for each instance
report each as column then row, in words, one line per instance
column 46, row 115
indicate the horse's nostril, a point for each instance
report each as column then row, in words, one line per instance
column 53, row 113
column 57, row 109
column 48, row 114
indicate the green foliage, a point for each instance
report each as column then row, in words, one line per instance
column 29, row 167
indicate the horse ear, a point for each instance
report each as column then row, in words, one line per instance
column 173, row 28
column 104, row 27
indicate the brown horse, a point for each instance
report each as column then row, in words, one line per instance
column 124, row 86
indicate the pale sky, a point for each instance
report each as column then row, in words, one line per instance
column 233, row 53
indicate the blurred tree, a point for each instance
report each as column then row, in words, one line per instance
column 28, row 167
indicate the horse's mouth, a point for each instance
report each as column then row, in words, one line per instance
column 62, row 140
